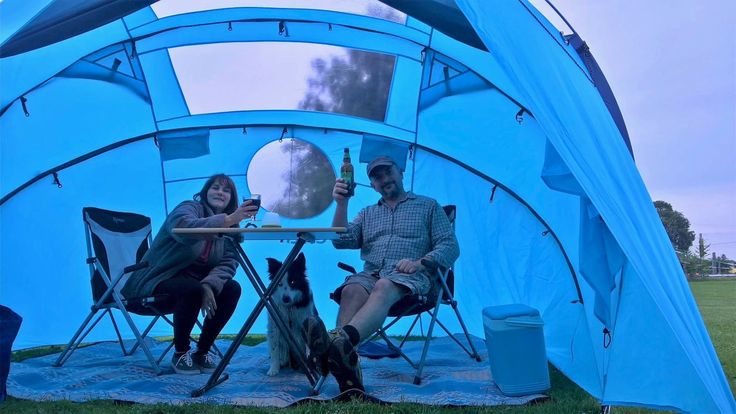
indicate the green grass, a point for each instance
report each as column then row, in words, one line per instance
column 716, row 300
column 717, row 303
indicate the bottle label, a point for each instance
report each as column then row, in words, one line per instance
column 347, row 176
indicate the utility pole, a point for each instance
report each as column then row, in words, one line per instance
column 713, row 265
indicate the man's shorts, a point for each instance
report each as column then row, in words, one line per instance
column 415, row 283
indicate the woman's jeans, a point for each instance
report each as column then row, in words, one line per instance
column 184, row 300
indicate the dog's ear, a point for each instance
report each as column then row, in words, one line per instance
column 300, row 263
column 273, row 266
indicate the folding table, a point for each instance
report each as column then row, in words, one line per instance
column 300, row 236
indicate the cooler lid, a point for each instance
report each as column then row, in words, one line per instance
column 507, row 311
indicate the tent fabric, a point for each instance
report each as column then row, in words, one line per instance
column 551, row 210
column 61, row 19
column 563, row 102
column 600, row 82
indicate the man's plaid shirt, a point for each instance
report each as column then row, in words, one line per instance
column 416, row 228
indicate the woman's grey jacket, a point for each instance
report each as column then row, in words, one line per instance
column 170, row 253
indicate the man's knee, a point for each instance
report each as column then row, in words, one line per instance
column 388, row 290
column 353, row 293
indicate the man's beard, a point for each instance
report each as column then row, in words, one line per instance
column 390, row 190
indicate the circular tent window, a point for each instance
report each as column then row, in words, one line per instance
column 295, row 178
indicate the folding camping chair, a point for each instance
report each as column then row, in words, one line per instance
column 417, row 305
column 116, row 242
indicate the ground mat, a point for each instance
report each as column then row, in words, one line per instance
column 99, row 372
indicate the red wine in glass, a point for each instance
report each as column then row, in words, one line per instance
column 255, row 199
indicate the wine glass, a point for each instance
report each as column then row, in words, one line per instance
column 255, row 200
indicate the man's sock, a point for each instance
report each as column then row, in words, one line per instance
column 353, row 334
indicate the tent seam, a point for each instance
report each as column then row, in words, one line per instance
column 585, row 73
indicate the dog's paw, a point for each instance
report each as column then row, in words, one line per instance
column 273, row 371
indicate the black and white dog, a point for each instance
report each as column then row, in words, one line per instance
column 294, row 300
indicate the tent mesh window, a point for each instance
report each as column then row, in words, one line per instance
column 294, row 178
column 284, row 76
column 372, row 8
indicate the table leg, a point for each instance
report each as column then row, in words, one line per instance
column 264, row 293
column 273, row 309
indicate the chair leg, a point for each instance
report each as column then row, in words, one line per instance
column 411, row 328
column 145, row 333
column 475, row 354
column 318, row 386
column 117, row 332
column 450, row 335
column 73, row 343
column 139, row 339
column 435, row 312
column 166, row 351
column 383, row 328
column 136, row 332
column 395, row 348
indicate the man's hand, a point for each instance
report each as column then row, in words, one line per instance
column 409, row 266
column 209, row 306
column 340, row 191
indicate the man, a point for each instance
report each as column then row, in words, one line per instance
column 394, row 236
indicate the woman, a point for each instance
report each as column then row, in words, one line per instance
column 195, row 272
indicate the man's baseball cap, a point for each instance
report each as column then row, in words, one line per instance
column 378, row 162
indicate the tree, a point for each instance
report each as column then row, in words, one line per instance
column 310, row 180
column 676, row 225
column 690, row 263
column 357, row 85
column 701, row 252
column 702, row 249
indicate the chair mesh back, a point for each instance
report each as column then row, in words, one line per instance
column 117, row 240
column 451, row 212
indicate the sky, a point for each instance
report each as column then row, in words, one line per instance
column 279, row 81
column 672, row 68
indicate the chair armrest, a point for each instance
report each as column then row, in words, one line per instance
column 346, row 267
column 135, row 267
column 444, row 276
column 430, row 264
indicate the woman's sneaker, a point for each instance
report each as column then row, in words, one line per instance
column 343, row 362
column 184, row 364
column 206, row 362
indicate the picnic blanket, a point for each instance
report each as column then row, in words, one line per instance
column 99, row 371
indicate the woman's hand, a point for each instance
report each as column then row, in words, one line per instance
column 209, row 306
column 246, row 209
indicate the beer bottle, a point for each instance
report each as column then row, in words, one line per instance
column 346, row 172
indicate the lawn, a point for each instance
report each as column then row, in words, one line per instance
column 716, row 300
column 717, row 303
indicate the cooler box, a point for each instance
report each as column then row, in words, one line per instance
column 516, row 352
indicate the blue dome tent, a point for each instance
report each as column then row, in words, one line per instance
column 122, row 106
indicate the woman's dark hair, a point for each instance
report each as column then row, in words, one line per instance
column 225, row 181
